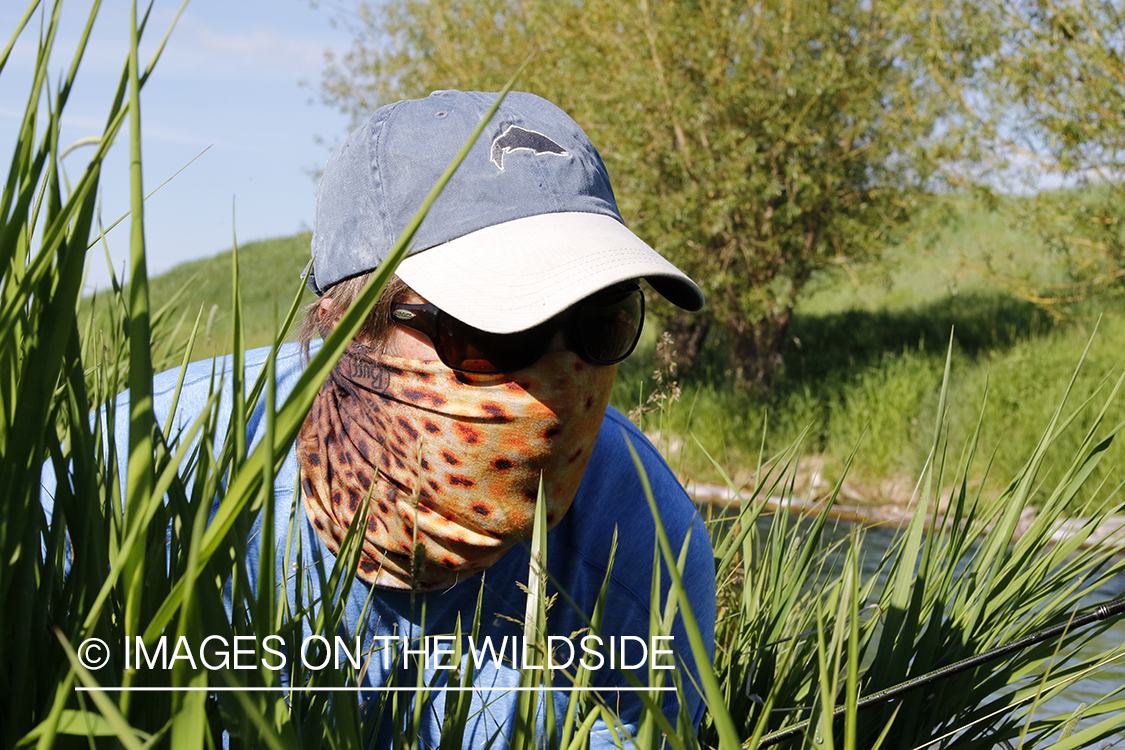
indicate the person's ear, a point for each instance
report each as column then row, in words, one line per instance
column 327, row 315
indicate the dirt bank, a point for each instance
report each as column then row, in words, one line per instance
column 1110, row 531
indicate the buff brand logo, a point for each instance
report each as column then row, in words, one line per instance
column 516, row 138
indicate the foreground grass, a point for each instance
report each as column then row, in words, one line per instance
column 165, row 550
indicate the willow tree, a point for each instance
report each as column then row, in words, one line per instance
column 1050, row 112
column 754, row 144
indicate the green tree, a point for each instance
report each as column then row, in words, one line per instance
column 1049, row 110
column 754, row 144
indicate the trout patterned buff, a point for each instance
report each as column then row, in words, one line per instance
column 451, row 457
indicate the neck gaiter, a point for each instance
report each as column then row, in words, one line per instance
column 448, row 463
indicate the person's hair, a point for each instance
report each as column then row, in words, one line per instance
column 373, row 332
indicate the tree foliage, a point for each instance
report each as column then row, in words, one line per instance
column 1048, row 116
column 754, row 144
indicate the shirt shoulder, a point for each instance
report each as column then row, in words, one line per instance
column 623, row 462
column 613, row 500
column 198, row 381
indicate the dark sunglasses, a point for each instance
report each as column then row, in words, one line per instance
column 603, row 329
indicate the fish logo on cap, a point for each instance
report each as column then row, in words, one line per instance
column 516, row 138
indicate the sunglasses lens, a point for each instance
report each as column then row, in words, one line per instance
column 462, row 347
column 604, row 329
column 609, row 329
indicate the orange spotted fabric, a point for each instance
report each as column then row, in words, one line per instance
column 447, row 460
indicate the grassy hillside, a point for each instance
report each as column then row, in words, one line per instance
column 271, row 277
column 863, row 364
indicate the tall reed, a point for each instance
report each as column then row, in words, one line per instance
column 953, row 584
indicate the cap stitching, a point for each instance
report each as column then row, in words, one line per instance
column 376, row 171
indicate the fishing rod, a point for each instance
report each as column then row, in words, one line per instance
column 1103, row 612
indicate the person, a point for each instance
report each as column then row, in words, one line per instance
column 480, row 380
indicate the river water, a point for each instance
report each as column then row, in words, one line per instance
column 1086, row 691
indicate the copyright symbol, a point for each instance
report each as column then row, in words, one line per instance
column 93, row 653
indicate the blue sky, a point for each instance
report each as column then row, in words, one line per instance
column 230, row 79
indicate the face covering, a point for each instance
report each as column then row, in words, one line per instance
column 447, row 464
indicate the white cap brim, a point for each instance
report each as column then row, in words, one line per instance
column 511, row 276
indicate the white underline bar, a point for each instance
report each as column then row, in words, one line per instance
column 353, row 689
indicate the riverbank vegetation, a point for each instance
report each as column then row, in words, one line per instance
column 863, row 363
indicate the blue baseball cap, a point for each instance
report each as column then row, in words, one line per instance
column 526, row 227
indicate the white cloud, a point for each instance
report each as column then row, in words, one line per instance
column 262, row 48
column 80, row 126
column 255, row 39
